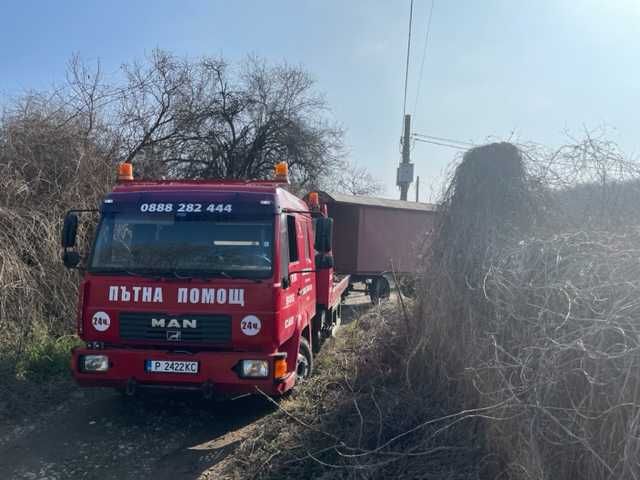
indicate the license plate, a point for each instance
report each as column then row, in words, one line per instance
column 171, row 366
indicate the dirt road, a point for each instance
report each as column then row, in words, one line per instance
column 96, row 434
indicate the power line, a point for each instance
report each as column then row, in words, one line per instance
column 406, row 73
column 455, row 147
column 424, row 55
column 442, row 144
column 444, row 139
column 452, row 143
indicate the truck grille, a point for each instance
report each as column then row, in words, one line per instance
column 175, row 329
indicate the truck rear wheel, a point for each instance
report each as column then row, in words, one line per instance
column 318, row 324
column 337, row 319
column 304, row 367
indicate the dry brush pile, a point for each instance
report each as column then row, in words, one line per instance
column 533, row 319
column 49, row 162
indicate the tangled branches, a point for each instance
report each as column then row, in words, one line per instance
column 565, row 340
column 49, row 161
column 544, row 323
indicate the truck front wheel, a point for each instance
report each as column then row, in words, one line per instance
column 304, row 367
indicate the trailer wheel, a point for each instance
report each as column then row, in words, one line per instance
column 379, row 290
column 304, row 367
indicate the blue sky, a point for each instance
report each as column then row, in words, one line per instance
column 494, row 69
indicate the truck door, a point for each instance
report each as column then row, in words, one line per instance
column 290, row 263
column 307, row 294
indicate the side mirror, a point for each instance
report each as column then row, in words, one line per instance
column 324, row 234
column 70, row 258
column 69, row 230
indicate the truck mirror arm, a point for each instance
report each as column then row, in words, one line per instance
column 83, row 210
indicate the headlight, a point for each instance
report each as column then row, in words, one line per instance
column 254, row 369
column 94, row 363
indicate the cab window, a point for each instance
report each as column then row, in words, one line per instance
column 284, row 247
column 292, row 238
column 305, row 240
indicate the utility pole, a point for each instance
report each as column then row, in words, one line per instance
column 404, row 176
column 417, row 188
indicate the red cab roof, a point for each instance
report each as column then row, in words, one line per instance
column 197, row 188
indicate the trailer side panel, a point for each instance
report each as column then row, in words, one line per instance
column 390, row 239
column 376, row 235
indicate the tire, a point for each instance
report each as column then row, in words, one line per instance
column 316, row 329
column 338, row 320
column 379, row 290
column 305, row 361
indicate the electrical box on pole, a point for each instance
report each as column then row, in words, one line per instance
column 404, row 176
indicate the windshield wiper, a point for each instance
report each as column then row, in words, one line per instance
column 189, row 274
column 148, row 274
column 123, row 271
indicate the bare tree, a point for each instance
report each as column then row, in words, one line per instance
column 353, row 179
column 206, row 118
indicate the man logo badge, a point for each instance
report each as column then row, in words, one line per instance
column 174, row 335
column 173, row 323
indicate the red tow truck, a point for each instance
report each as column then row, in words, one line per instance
column 225, row 287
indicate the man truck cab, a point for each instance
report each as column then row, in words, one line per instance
column 222, row 286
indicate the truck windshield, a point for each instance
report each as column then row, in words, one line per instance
column 132, row 244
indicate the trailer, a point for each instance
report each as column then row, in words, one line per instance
column 376, row 240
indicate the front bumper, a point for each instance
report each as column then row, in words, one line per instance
column 216, row 373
